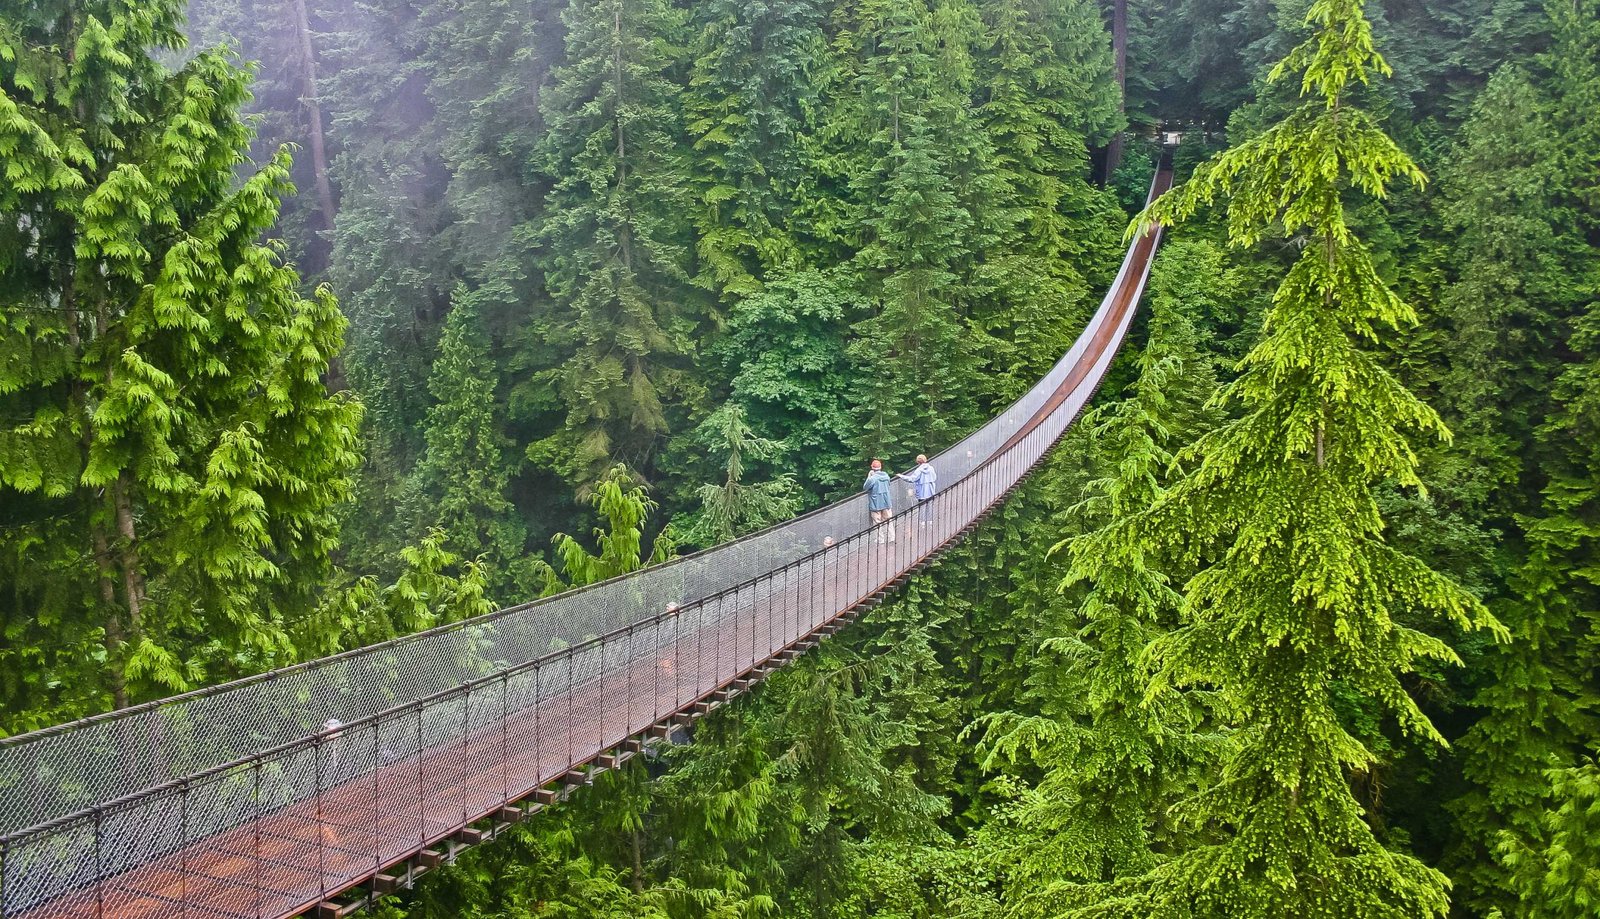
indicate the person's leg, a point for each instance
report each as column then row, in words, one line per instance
column 888, row 523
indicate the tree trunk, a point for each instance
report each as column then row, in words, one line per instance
column 116, row 639
column 132, row 577
column 1119, row 49
column 313, row 105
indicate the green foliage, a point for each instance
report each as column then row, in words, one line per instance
column 785, row 353
column 1113, row 759
column 734, row 508
column 1556, row 874
column 1045, row 94
column 1541, row 705
column 736, row 245
column 463, row 480
column 625, row 506
column 435, row 587
column 170, row 459
column 616, row 266
column 906, row 112
column 1299, row 603
column 751, row 99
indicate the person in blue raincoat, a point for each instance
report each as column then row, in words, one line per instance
column 924, row 483
column 879, row 507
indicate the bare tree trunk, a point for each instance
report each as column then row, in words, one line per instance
column 313, row 105
column 1119, row 49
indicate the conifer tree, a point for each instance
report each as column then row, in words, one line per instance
column 434, row 587
column 1045, row 95
column 914, row 352
column 170, row 458
column 283, row 40
column 1515, row 294
column 1301, row 603
column 734, row 507
column 785, row 353
column 463, row 479
column 1555, row 874
column 1113, row 760
column 1539, row 696
column 752, row 95
column 625, row 506
column 615, row 233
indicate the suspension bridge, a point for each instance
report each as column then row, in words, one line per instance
column 314, row 788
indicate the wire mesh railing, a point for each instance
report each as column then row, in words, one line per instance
column 264, row 796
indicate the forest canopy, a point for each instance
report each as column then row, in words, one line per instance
column 327, row 321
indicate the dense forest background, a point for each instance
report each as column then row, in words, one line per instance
column 660, row 273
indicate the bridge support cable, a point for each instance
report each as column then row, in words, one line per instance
column 268, row 796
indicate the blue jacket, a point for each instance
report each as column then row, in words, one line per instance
column 924, row 480
column 877, row 489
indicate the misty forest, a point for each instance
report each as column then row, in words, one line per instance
column 323, row 322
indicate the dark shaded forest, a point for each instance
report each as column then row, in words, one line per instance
column 325, row 321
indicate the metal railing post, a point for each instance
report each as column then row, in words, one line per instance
column 538, row 698
column 708, row 675
column 322, row 860
column 377, row 726
column 632, row 659
column 677, row 664
column 261, row 811
column 422, row 799
column 570, row 658
column 699, row 650
column 99, row 866
column 183, row 845
column 465, row 761
column 658, row 654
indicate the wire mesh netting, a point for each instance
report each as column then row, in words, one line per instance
column 305, row 779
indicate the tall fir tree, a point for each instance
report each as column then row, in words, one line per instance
column 1540, row 705
column 462, row 482
column 170, row 459
column 1114, row 760
column 284, row 40
column 1045, row 95
column 1302, row 608
column 733, row 507
column 1555, row 872
column 625, row 506
column 785, row 354
column 751, row 102
column 907, row 110
column 615, row 235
